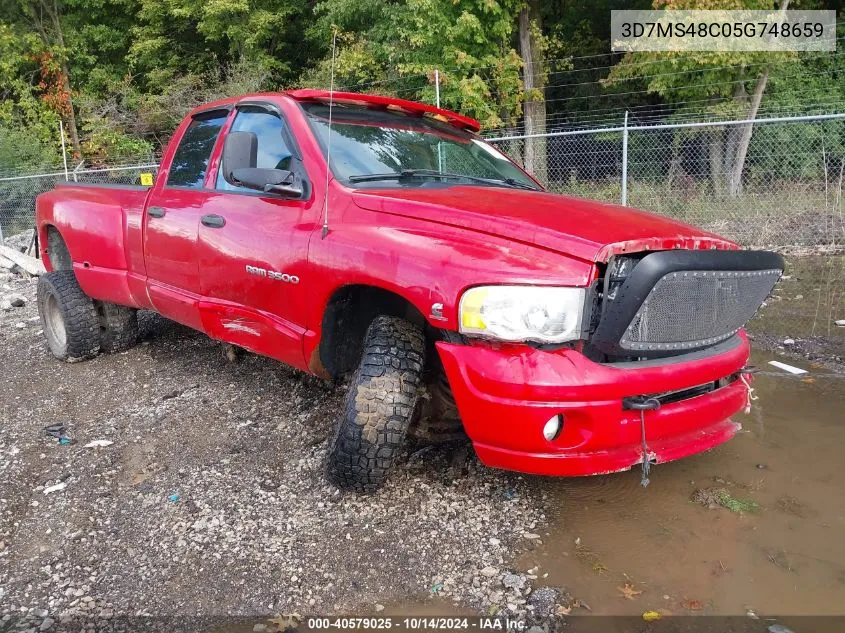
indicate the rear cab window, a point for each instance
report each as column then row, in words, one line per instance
column 190, row 161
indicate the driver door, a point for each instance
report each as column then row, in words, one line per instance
column 253, row 249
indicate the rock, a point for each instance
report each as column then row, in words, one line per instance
column 494, row 542
column 840, row 322
column 513, row 581
column 20, row 325
column 5, row 305
column 544, row 600
column 46, row 624
column 789, row 341
column 489, row 572
column 17, row 301
column 379, row 607
column 259, row 628
column 19, row 242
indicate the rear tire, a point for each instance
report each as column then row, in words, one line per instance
column 68, row 317
column 118, row 327
column 379, row 406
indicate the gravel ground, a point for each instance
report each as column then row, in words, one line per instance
column 211, row 499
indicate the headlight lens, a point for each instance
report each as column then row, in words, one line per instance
column 523, row 313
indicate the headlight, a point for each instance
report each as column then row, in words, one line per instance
column 523, row 313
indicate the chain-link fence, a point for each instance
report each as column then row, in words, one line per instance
column 18, row 192
column 782, row 187
column 789, row 194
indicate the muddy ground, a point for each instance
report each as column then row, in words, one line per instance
column 211, row 500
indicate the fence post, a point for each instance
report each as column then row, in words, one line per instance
column 64, row 150
column 625, row 161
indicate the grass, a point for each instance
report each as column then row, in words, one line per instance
column 772, row 214
column 736, row 505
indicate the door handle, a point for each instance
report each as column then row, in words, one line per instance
column 156, row 212
column 213, row 221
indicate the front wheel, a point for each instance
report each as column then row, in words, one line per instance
column 379, row 406
column 68, row 317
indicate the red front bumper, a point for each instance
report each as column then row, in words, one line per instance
column 505, row 396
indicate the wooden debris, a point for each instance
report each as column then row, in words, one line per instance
column 24, row 262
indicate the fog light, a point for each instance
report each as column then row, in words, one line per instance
column 553, row 427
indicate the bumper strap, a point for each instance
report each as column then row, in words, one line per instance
column 643, row 404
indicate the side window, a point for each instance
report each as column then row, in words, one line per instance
column 273, row 152
column 191, row 158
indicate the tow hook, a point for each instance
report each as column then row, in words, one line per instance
column 642, row 404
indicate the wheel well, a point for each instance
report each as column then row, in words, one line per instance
column 57, row 250
column 347, row 317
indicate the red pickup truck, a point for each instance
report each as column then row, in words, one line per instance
column 352, row 233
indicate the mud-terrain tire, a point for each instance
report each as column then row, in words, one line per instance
column 118, row 327
column 381, row 400
column 68, row 317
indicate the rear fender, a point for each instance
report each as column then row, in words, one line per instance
column 92, row 224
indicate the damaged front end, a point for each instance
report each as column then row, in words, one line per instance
column 657, row 376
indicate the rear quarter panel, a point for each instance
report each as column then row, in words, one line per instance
column 102, row 228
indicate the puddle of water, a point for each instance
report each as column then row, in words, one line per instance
column 788, row 558
column 807, row 303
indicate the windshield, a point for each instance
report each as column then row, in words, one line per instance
column 407, row 150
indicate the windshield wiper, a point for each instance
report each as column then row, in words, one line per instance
column 433, row 173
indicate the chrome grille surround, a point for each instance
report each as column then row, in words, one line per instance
column 695, row 308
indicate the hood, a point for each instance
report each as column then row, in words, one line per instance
column 588, row 230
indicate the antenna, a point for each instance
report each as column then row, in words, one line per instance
column 329, row 144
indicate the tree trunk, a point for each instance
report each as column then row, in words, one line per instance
column 71, row 115
column 536, row 156
column 744, row 137
column 743, row 134
column 717, row 138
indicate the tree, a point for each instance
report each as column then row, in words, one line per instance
column 395, row 48
column 718, row 80
column 45, row 18
column 176, row 38
column 533, row 74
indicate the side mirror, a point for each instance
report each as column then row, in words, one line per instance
column 240, row 151
column 278, row 181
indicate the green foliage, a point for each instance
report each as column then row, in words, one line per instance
column 21, row 147
column 136, row 66
column 395, row 48
column 174, row 38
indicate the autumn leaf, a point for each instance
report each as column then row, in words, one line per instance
column 561, row 610
column 692, row 605
column 286, row 621
column 628, row 591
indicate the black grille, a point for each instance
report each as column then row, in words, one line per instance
column 673, row 302
column 689, row 309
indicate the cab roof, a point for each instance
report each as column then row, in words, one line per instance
column 354, row 98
